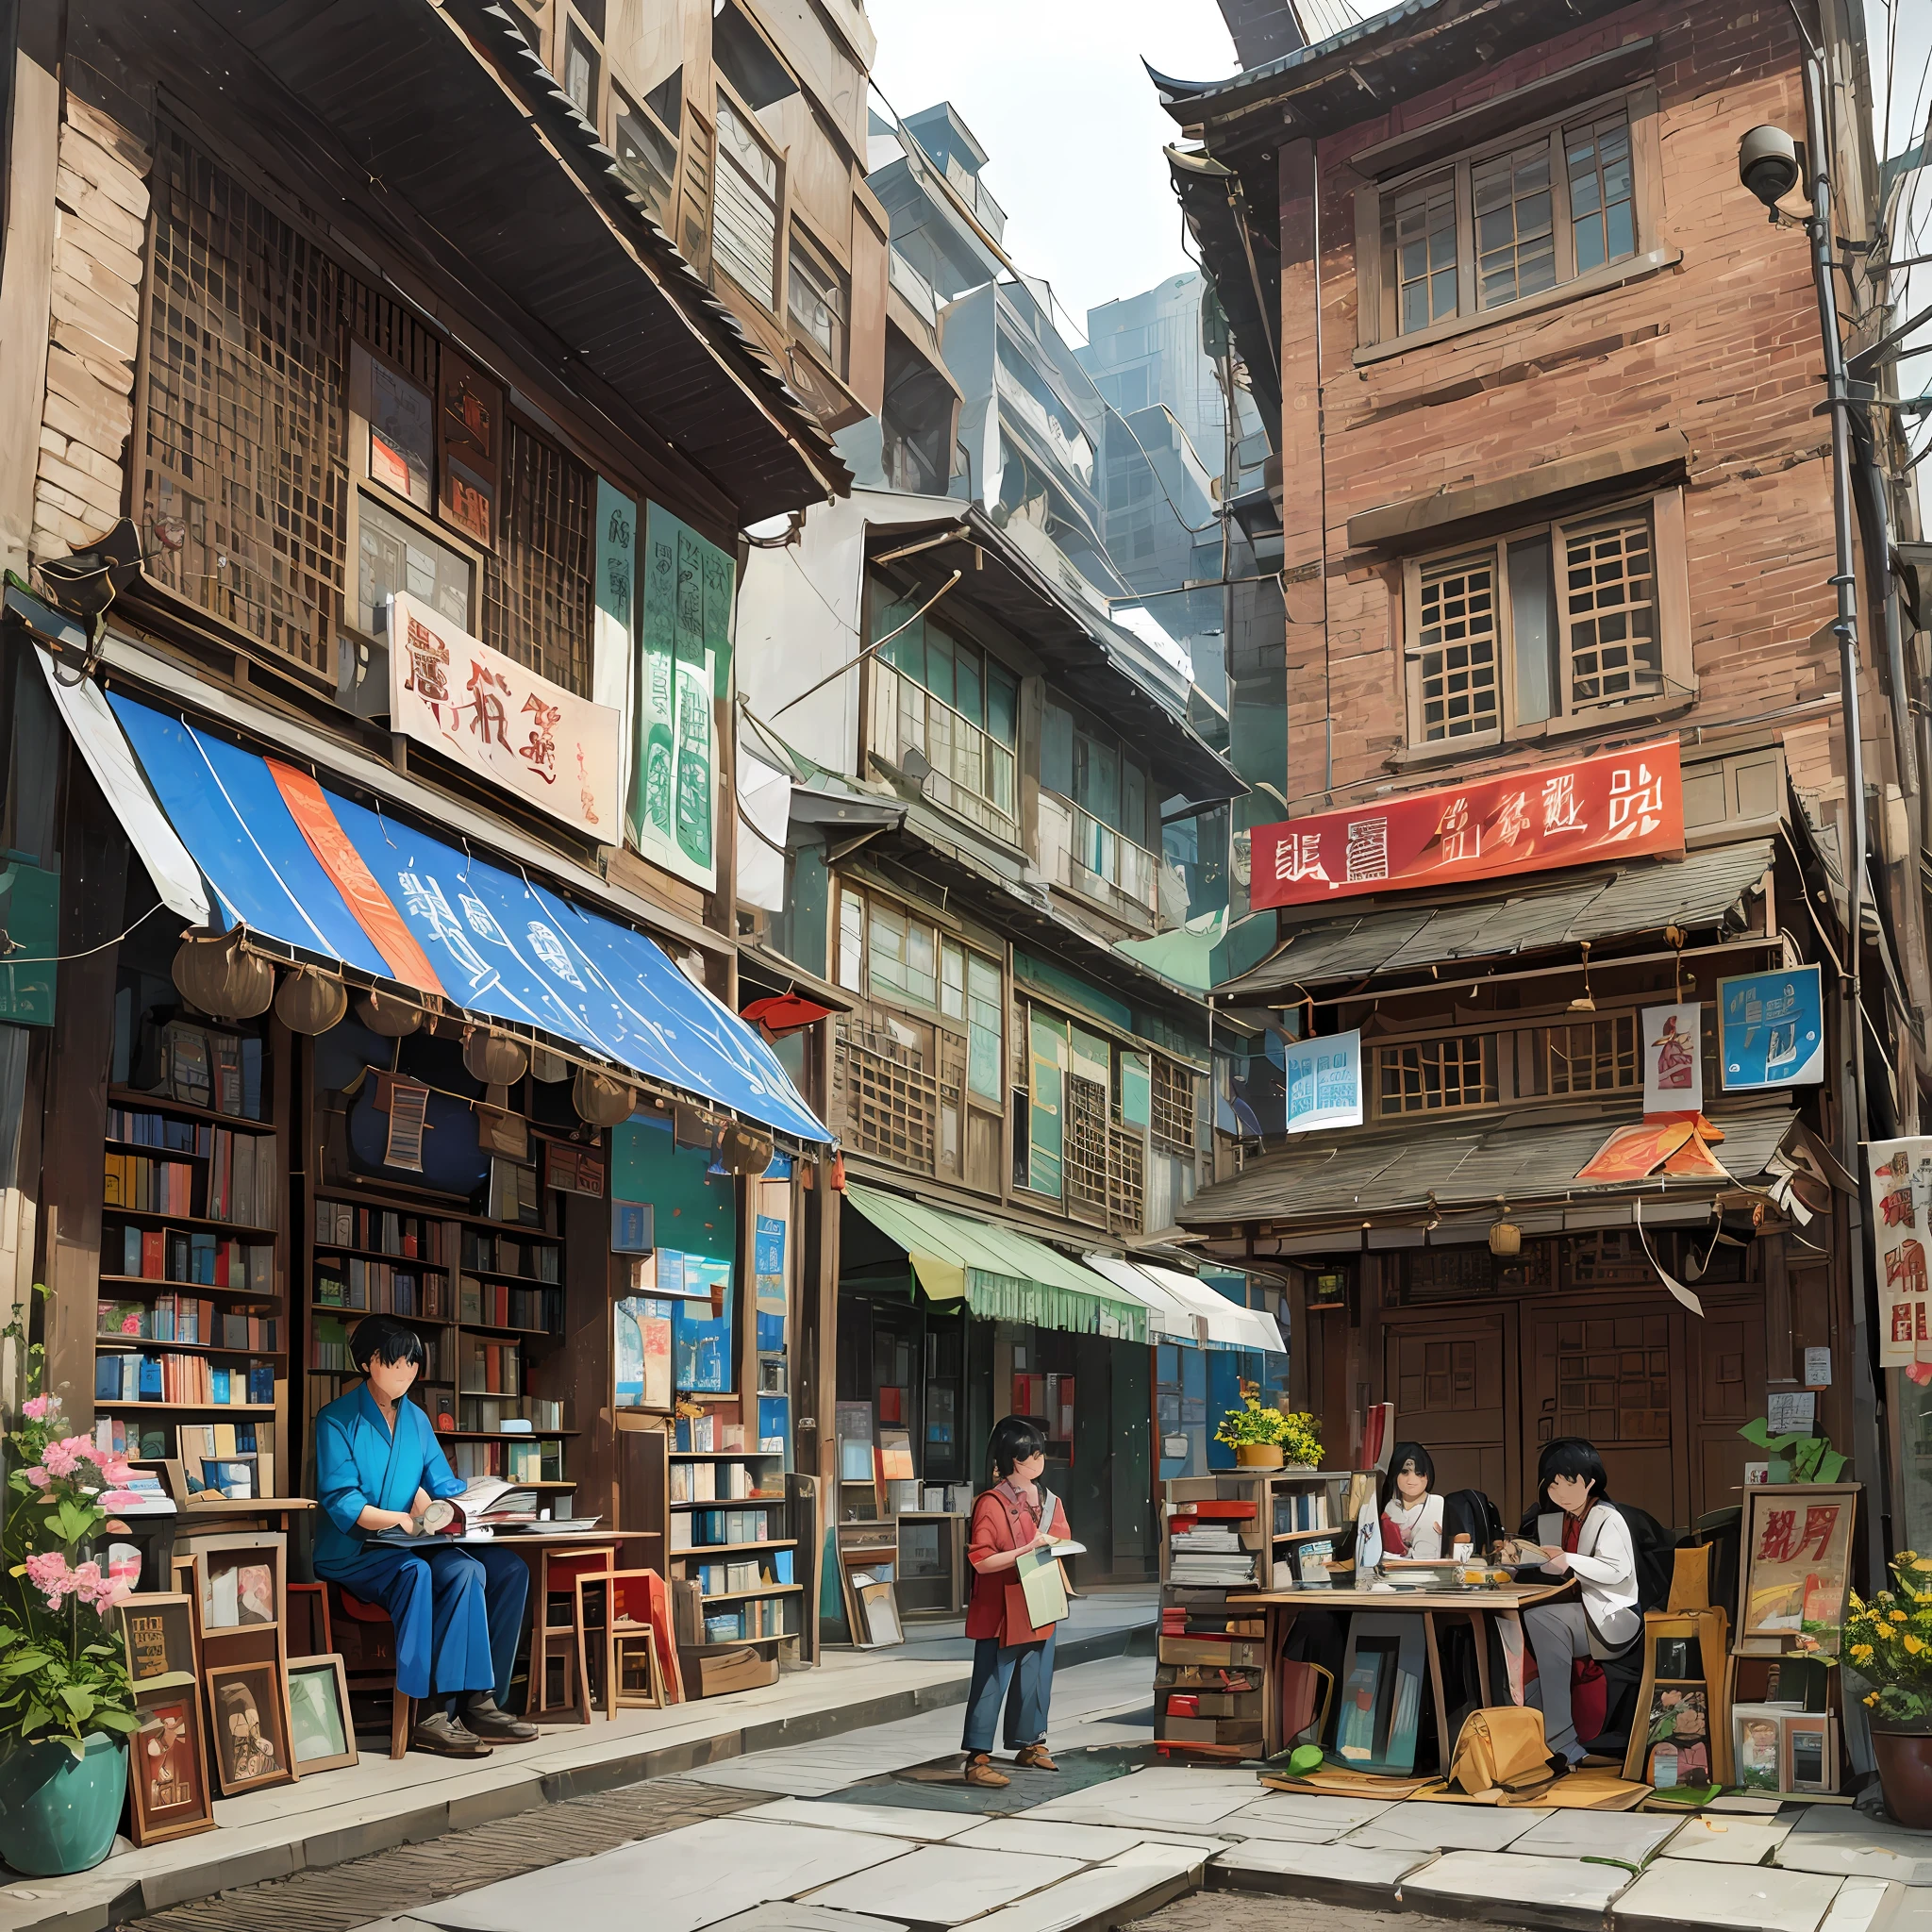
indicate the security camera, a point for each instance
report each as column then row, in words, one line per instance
column 1770, row 164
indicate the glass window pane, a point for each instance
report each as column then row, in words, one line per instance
column 394, row 555
column 402, row 433
column 938, row 665
column 887, row 938
column 968, row 698
column 1419, row 242
column 1001, row 705
column 1516, row 244
column 851, row 941
column 921, row 975
column 953, row 980
column 1602, row 193
column 984, row 1008
column 1532, row 625
column 1610, row 603
column 1458, row 638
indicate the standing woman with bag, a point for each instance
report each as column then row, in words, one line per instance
column 1012, row 1661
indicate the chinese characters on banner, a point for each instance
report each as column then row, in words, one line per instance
column 1901, row 1191
column 1614, row 806
column 1672, row 1059
column 550, row 748
column 684, row 660
column 616, row 586
column 1771, row 1029
column 1324, row 1082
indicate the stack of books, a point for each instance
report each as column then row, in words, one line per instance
column 1205, row 1545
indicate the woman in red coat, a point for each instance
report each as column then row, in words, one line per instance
column 1012, row 1662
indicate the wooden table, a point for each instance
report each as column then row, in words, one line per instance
column 1506, row 1601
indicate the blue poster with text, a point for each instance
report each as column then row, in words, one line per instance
column 1771, row 1029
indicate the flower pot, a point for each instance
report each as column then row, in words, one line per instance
column 58, row 1812
column 1258, row 1455
column 1904, row 1754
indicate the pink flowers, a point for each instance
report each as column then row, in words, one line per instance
column 130, row 1324
column 66, row 1456
column 39, row 1409
column 50, row 1573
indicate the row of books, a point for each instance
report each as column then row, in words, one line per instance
column 187, row 1318
column 380, row 1230
column 747, row 1572
column 1300, row 1509
column 188, row 1379
column 497, row 1305
column 490, row 1368
column 498, row 1254
column 243, row 1179
column 153, row 1187
column 486, row 1414
column 512, row 1193
column 190, row 1442
column 702, row 1434
column 168, row 1254
column 330, row 1348
column 120, row 1437
column 718, row 1482
column 380, row 1288
column 703, row 1529
column 516, row 1462
column 139, row 1128
column 764, row 1616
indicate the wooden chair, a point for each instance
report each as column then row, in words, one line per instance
column 557, row 1627
column 368, row 1649
column 628, row 1639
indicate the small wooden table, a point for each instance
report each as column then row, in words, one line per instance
column 1507, row 1601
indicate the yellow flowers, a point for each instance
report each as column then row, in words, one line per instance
column 1896, row 1616
column 1860, row 1653
column 1872, row 1698
column 1913, row 1644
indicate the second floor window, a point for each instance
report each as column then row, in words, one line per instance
column 818, row 302
column 1519, row 633
column 960, row 708
column 745, row 210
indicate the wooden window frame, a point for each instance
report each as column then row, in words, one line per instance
column 801, row 238
column 1488, row 1092
column 634, row 102
column 1671, row 579
column 773, row 303
column 568, row 18
column 1378, row 331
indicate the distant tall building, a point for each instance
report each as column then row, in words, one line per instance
column 1149, row 350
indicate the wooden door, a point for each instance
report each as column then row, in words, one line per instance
column 1449, row 1380
column 1731, row 1342
column 1605, row 1373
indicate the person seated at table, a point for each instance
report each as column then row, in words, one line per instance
column 1406, row 1518
column 457, row 1609
column 1579, row 1533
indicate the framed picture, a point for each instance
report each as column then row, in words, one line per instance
column 1795, row 1559
column 1380, row 1699
column 239, row 1581
column 167, row 1771
column 1758, row 1739
column 1811, row 1751
column 321, row 1736
column 250, row 1705
column 1676, row 1743
column 878, row 1605
column 158, row 1641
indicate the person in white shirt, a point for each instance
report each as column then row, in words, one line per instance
column 1583, row 1536
column 1406, row 1518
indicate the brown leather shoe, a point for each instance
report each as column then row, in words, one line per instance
column 1034, row 1758
column 979, row 1771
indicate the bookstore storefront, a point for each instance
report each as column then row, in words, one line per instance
column 409, row 1080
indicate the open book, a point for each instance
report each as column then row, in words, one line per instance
column 487, row 1503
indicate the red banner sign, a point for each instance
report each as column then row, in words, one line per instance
column 1616, row 805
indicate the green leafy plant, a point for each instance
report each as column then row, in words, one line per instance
column 61, row 1673
column 1888, row 1642
column 1251, row 1423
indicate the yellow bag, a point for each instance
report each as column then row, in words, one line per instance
column 1502, row 1746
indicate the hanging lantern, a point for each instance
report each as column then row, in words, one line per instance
column 744, row 1149
column 495, row 1058
column 1505, row 1240
column 602, row 1099
column 384, row 1013
column 311, row 1002
column 548, row 1067
column 220, row 978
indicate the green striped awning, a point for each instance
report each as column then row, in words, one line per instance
column 1002, row 1274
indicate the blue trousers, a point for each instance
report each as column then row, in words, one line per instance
column 1020, row 1674
column 459, row 1612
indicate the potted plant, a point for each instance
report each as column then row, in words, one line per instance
column 66, row 1703
column 1268, row 1438
column 1887, row 1644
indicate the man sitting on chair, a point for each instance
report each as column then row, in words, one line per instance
column 457, row 1610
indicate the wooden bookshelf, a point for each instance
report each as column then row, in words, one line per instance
column 151, row 1426
column 777, row 1510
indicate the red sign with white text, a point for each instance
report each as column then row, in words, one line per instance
column 1616, row 805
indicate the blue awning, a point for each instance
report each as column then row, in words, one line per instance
column 294, row 862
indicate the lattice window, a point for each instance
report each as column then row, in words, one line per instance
column 1515, row 224
column 1173, row 1103
column 1436, row 1075
column 891, row 1101
column 1596, row 1056
column 1613, row 1378
column 1126, row 1180
column 538, row 596
column 1457, row 646
column 246, row 425
column 1611, row 591
column 1085, row 1153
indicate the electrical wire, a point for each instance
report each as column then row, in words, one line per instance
column 9, row 954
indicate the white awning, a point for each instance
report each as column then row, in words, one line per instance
column 1188, row 1309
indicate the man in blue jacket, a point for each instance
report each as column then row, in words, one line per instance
column 457, row 1609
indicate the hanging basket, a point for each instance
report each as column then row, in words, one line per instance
column 495, row 1058
column 384, row 1013
column 744, row 1149
column 548, row 1067
column 602, row 1099
column 311, row 1002
column 218, row 976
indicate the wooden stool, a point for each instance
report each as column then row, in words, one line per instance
column 368, row 1652
column 562, row 1637
column 625, row 1624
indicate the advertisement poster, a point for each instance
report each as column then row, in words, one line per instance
column 684, row 664
column 499, row 718
column 1324, row 1082
column 1672, row 1059
column 616, row 588
column 1617, row 806
column 1901, row 1174
column 1771, row 1029
column 769, row 1251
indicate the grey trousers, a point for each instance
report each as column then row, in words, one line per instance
column 1559, row 1636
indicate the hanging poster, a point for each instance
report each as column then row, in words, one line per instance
column 684, row 664
column 1771, row 1029
column 1672, row 1059
column 616, row 589
column 769, row 1249
column 1901, row 1174
column 1324, row 1082
column 500, row 720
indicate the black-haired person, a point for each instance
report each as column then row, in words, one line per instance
column 1406, row 1518
column 457, row 1610
column 1579, row 1533
column 1012, row 1661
